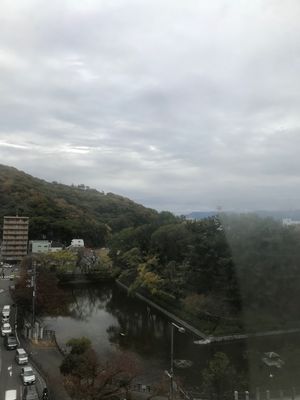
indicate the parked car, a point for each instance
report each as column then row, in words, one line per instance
column 6, row 311
column 27, row 375
column 30, row 393
column 21, row 356
column 10, row 342
column 5, row 319
column 5, row 329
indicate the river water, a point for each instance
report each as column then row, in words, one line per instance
column 114, row 321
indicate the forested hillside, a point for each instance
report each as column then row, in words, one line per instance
column 62, row 212
column 220, row 273
column 224, row 274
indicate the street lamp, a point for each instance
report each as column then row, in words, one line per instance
column 180, row 329
column 33, row 285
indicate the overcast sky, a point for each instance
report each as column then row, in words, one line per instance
column 178, row 104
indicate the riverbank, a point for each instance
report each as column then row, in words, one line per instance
column 114, row 322
column 83, row 278
column 204, row 338
column 47, row 359
column 171, row 316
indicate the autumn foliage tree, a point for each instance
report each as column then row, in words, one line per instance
column 50, row 297
column 86, row 378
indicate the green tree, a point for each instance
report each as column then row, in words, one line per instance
column 85, row 378
column 170, row 242
column 79, row 345
column 63, row 261
column 219, row 378
column 147, row 279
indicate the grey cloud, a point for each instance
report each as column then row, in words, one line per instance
column 180, row 105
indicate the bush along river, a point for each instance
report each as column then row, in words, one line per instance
column 114, row 321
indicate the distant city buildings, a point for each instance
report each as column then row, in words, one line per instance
column 289, row 222
column 15, row 238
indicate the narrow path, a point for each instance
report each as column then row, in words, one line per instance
column 252, row 335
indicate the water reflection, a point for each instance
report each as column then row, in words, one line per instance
column 139, row 328
column 87, row 300
column 113, row 321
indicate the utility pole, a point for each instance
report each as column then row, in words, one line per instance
column 33, row 285
column 172, row 364
column 180, row 329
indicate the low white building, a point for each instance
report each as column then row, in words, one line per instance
column 77, row 243
column 56, row 246
column 39, row 246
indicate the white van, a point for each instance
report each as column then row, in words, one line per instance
column 21, row 356
column 6, row 311
column 11, row 394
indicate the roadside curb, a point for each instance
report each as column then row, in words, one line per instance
column 16, row 326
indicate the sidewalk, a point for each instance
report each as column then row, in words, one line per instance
column 48, row 360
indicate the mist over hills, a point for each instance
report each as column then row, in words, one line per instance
column 62, row 212
column 275, row 214
column 200, row 214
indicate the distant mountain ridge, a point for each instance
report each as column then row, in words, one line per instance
column 280, row 214
column 275, row 214
column 63, row 212
column 197, row 215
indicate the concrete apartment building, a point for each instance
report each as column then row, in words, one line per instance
column 15, row 238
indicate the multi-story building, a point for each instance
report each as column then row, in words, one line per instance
column 15, row 238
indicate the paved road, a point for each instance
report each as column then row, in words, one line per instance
column 9, row 369
column 9, row 374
